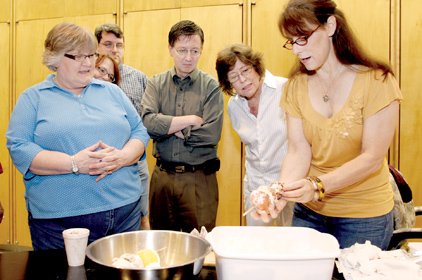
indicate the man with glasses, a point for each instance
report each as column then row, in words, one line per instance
column 183, row 111
column 133, row 82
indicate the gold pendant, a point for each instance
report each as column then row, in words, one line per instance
column 325, row 98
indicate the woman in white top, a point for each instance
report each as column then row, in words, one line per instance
column 255, row 113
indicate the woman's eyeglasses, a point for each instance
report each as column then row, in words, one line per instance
column 234, row 77
column 301, row 41
column 104, row 72
column 81, row 57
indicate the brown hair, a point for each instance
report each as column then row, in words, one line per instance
column 116, row 71
column 108, row 28
column 63, row 38
column 184, row 28
column 226, row 59
column 300, row 14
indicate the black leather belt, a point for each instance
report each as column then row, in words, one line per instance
column 179, row 167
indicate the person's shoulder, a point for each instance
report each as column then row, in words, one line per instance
column 235, row 99
column 207, row 78
column 129, row 70
column 42, row 86
column 161, row 76
column 297, row 78
column 272, row 80
column 204, row 74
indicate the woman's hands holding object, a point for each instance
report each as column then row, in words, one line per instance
column 267, row 202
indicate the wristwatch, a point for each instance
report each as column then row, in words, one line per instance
column 75, row 168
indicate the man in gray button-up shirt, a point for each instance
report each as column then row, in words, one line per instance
column 183, row 111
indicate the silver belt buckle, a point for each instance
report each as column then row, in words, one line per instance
column 179, row 169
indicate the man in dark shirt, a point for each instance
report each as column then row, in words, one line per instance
column 183, row 111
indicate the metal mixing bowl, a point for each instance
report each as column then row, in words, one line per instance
column 182, row 254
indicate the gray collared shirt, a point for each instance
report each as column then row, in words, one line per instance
column 167, row 96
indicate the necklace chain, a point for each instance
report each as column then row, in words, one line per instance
column 325, row 96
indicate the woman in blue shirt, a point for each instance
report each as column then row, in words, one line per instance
column 77, row 141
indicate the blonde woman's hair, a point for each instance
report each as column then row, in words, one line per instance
column 66, row 37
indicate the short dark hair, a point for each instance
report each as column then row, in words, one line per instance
column 109, row 28
column 226, row 59
column 185, row 28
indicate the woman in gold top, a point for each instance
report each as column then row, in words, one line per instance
column 342, row 110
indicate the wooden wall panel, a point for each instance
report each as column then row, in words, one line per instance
column 203, row 3
column 5, row 183
column 5, row 10
column 38, row 9
column 370, row 21
column 148, row 5
column 411, row 85
column 229, row 149
column 146, row 50
column 266, row 37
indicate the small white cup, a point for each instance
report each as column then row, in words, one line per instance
column 75, row 242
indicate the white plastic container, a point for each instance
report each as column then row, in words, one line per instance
column 272, row 253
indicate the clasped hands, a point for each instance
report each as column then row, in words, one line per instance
column 100, row 159
column 268, row 201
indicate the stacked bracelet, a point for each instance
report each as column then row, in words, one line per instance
column 318, row 187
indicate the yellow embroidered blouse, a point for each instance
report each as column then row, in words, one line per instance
column 338, row 139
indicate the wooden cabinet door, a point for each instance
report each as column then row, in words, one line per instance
column 267, row 39
column 45, row 9
column 5, row 186
column 411, row 85
column 370, row 21
column 146, row 44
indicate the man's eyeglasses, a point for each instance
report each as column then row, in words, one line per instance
column 301, row 41
column 111, row 45
column 104, row 72
column 81, row 57
column 185, row 52
column 233, row 78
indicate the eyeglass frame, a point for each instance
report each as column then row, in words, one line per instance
column 81, row 57
column 289, row 43
column 104, row 71
column 110, row 45
column 244, row 73
column 184, row 52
